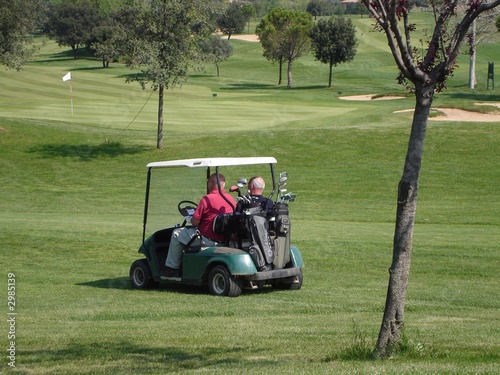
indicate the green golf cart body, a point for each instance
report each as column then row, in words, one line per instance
column 228, row 267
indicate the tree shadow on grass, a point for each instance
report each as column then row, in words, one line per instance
column 249, row 86
column 131, row 76
column 85, row 152
column 58, row 60
column 142, row 358
column 493, row 97
column 258, row 86
column 91, row 68
column 68, row 55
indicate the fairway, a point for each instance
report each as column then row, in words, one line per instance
column 73, row 161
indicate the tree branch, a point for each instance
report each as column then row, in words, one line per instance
column 462, row 28
column 387, row 20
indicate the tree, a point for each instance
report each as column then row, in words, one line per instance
column 424, row 75
column 315, row 8
column 267, row 31
column 248, row 11
column 71, row 23
column 19, row 18
column 498, row 24
column 215, row 50
column 333, row 42
column 262, row 7
column 284, row 35
column 481, row 31
column 108, row 40
column 356, row 8
column 232, row 21
column 162, row 40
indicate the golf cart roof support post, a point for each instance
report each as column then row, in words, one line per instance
column 274, row 180
column 208, row 178
column 146, row 204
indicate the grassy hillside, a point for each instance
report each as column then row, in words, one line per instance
column 72, row 189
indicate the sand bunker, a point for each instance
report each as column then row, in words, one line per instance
column 370, row 97
column 449, row 114
column 453, row 114
column 247, row 37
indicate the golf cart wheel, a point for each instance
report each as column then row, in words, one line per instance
column 296, row 285
column 222, row 283
column 141, row 276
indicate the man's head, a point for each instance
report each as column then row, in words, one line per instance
column 256, row 185
column 212, row 181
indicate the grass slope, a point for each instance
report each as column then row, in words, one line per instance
column 71, row 221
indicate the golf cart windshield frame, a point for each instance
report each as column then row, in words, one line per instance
column 204, row 163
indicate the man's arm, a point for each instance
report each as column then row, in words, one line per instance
column 195, row 220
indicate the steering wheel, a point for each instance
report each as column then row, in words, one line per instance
column 186, row 208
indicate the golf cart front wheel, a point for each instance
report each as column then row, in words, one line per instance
column 141, row 276
column 222, row 283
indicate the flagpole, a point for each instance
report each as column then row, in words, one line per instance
column 67, row 77
column 71, row 96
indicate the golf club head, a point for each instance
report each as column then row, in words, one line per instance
column 245, row 199
column 283, row 178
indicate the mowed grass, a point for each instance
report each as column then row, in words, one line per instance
column 72, row 189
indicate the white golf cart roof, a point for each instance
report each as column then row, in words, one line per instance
column 212, row 162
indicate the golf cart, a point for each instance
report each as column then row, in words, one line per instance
column 256, row 251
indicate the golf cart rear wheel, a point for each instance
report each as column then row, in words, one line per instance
column 141, row 276
column 222, row 283
column 296, row 284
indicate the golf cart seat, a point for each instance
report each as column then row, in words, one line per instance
column 160, row 243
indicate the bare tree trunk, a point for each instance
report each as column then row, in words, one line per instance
column 330, row 76
column 280, row 72
column 159, row 140
column 289, row 74
column 472, row 63
column 393, row 320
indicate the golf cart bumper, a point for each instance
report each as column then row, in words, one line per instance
column 275, row 274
